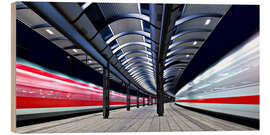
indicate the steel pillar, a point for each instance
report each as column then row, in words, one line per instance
column 160, row 98
column 143, row 101
column 128, row 97
column 138, row 103
column 167, row 22
column 106, row 97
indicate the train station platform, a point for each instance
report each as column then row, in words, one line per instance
column 143, row 119
column 73, row 60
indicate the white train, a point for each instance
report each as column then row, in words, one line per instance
column 230, row 86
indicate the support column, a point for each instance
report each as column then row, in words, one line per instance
column 138, row 104
column 143, row 101
column 167, row 23
column 106, row 100
column 128, row 97
column 160, row 100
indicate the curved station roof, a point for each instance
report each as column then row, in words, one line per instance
column 144, row 45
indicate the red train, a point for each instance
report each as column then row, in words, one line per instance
column 40, row 93
column 231, row 86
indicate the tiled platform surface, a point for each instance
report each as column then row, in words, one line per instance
column 143, row 119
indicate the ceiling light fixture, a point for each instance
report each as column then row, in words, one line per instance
column 49, row 31
column 74, row 50
column 85, row 5
column 207, row 22
column 187, row 55
column 195, row 43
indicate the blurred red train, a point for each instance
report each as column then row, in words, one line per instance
column 40, row 93
column 231, row 86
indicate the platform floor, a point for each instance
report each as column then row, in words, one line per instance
column 144, row 119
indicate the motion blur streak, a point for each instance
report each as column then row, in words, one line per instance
column 39, row 91
column 227, row 100
column 230, row 86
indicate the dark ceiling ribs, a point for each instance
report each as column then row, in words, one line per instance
column 147, row 45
